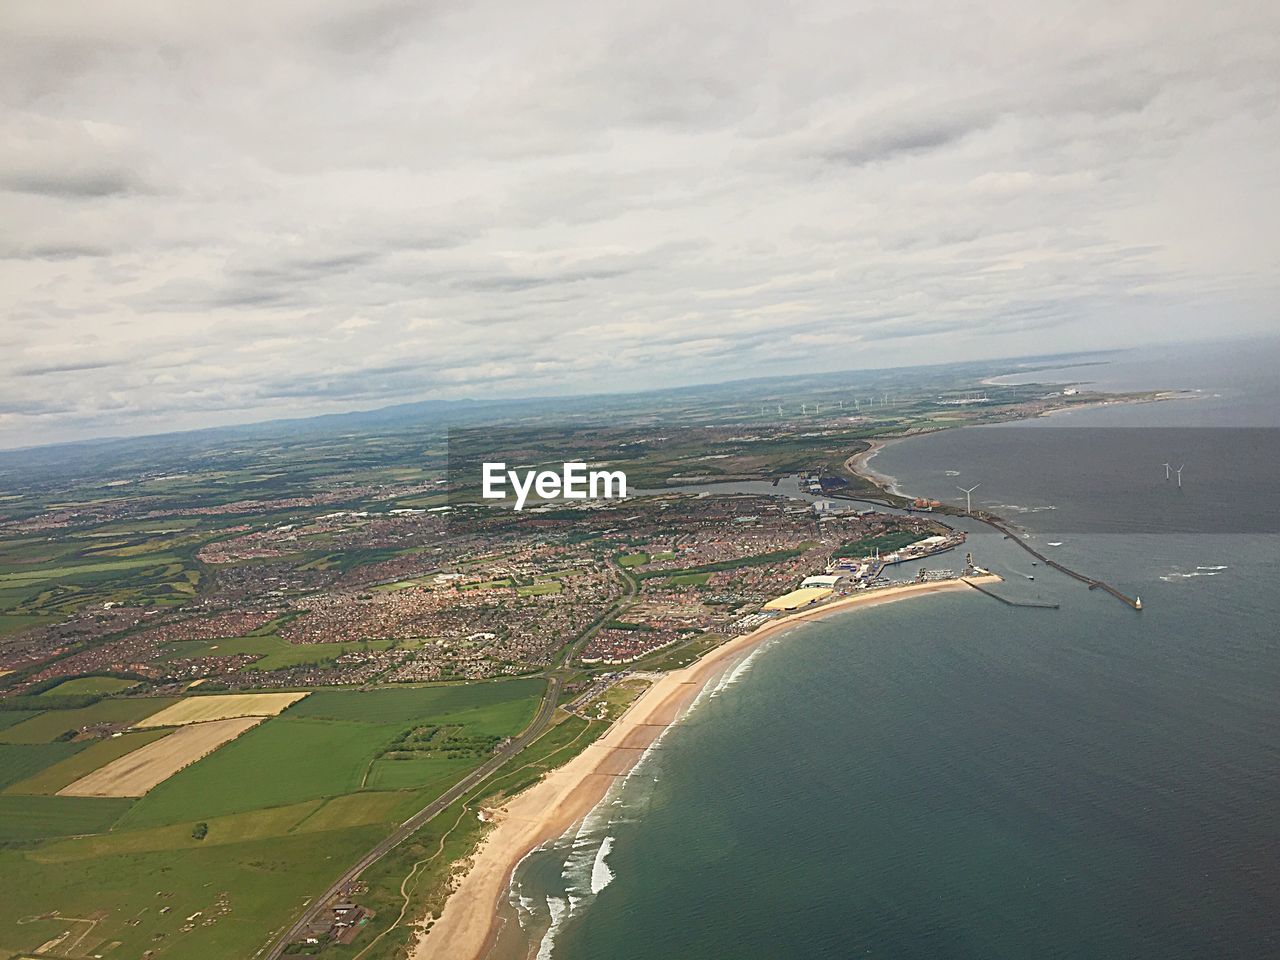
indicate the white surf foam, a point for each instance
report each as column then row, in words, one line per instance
column 558, row 909
column 601, row 875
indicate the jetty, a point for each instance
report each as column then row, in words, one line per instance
column 1012, row 603
column 1090, row 582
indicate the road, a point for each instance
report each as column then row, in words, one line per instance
column 481, row 773
column 547, row 709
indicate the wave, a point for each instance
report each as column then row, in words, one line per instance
column 601, row 875
column 559, row 909
column 1213, row 568
column 1198, row 572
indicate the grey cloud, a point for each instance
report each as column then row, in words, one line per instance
column 442, row 200
column 46, row 369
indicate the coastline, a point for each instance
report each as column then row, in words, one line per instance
column 468, row 924
column 860, row 465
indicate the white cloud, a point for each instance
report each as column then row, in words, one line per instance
column 206, row 217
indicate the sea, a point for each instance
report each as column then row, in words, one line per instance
column 951, row 777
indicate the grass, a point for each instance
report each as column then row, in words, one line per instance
column 67, row 771
column 61, row 573
column 242, row 891
column 489, row 584
column 273, row 652
column 285, row 760
column 326, row 745
column 492, row 706
column 12, row 623
column 689, row 579
column 11, row 718
column 885, row 543
column 18, row 761
column 759, row 560
column 47, row 727
column 31, row 818
column 633, row 559
column 540, row 589
column 433, row 774
column 82, row 685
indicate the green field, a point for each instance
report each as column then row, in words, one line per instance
column 633, row 559
column 286, row 807
column 285, row 760
column 82, row 685
column 540, row 589
column 885, row 543
column 21, row 760
column 61, row 573
column 32, row 818
column 493, row 706
column 48, row 726
column 11, row 623
column 64, row 772
column 326, row 745
column 688, row 579
column 11, row 718
column 274, row 652
column 241, row 890
column 424, row 773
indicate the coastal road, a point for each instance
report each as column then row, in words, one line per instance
column 481, row 773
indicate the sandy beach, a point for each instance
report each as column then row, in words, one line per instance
column 860, row 465
column 469, row 922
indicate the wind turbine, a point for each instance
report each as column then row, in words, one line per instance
column 817, row 409
column 968, row 494
column 1179, row 473
column 779, row 409
column 1167, row 468
column 804, row 408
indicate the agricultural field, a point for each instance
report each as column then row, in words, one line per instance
column 18, row 761
column 89, row 685
column 273, row 652
column 135, row 773
column 49, row 726
column 221, row 707
column 543, row 588
column 244, row 835
column 53, row 778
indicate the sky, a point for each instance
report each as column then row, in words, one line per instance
column 216, row 213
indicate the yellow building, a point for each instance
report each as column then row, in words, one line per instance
column 798, row 598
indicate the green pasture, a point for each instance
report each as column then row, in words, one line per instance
column 540, row 589
column 83, row 685
column 67, row 771
column 274, row 652
column 46, row 727
column 142, row 900
column 34, row 818
column 21, row 760
column 487, row 707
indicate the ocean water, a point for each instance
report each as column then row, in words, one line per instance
column 948, row 777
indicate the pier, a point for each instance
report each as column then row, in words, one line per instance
column 1090, row 582
column 1012, row 603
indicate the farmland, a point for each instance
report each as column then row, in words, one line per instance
column 47, row 727
column 226, row 707
column 281, row 809
column 138, row 771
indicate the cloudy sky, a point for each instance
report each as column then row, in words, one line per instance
column 215, row 212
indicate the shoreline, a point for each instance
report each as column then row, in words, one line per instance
column 469, row 922
column 860, row 465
